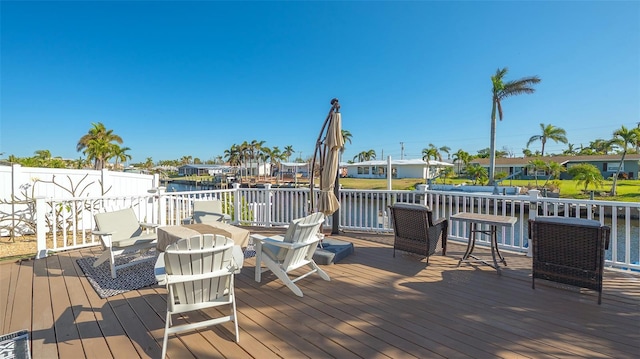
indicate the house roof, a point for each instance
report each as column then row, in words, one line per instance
column 514, row 161
column 400, row 163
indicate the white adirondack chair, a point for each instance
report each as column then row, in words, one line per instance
column 209, row 211
column 282, row 255
column 199, row 274
column 121, row 233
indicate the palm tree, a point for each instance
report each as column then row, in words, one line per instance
column 346, row 136
column 461, row 157
column 586, row 173
column 570, row 151
column 502, row 90
column 536, row 165
column 428, row 154
column 447, row 150
column 623, row 138
column 288, row 151
column 555, row 169
column 120, row 154
column 97, row 144
column 477, row 173
column 148, row 163
column 549, row 132
column 365, row 156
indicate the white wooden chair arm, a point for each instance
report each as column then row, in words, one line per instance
column 149, row 225
column 280, row 243
column 102, row 233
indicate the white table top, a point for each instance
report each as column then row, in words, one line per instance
column 485, row 219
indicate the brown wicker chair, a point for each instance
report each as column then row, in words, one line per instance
column 415, row 231
column 569, row 251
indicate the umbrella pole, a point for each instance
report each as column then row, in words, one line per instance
column 335, row 107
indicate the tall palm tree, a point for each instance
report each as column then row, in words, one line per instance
column 502, row 90
column 623, row 138
column 97, row 144
column 549, row 132
column 288, row 151
column 447, row 150
column 346, row 136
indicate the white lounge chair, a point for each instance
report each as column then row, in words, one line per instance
column 199, row 274
column 209, row 211
column 282, row 255
column 121, row 233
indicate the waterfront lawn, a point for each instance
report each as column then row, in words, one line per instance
column 628, row 190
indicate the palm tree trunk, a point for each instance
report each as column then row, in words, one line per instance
column 492, row 149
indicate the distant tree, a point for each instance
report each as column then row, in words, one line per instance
column 549, row 132
column 197, row 161
column 536, row 165
column 148, row 163
column 447, row 150
column 461, row 158
column 120, row 154
column 43, row 154
column 554, row 169
column 365, row 156
column 486, row 153
column 288, row 151
column 502, row 90
column 570, row 151
column 527, row 152
column 429, row 153
column 477, row 173
column 586, row 174
column 623, row 138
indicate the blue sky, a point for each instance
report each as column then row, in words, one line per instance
column 180, row 79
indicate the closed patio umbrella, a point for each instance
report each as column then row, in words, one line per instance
column 329, row 151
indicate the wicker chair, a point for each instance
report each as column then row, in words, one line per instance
column 415, row 231
column 569, row 251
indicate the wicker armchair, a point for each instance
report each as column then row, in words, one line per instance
column 569, row 251
column 415, row 231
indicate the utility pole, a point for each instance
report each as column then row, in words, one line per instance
column 402, row 150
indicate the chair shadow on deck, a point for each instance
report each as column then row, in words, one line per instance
column 119, row 318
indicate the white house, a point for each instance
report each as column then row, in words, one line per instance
column 399, row 169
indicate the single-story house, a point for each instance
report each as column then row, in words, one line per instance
column 205, row 170
column 416, row 168
column 518, row 167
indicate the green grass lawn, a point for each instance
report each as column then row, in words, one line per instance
column 628, row 190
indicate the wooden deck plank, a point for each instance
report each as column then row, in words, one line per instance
column 94, row 344
column 9, row 278
column 374, row 306
column 43, row 335
column 119, row 344
column 67, row 336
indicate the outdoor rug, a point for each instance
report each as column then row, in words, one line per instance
column 133, row 277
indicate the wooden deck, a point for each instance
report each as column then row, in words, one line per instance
column 375, row 306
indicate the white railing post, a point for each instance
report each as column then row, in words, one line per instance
column 162, row 206
column 422, row 189
column 236, row 203
column 267, row 204
column 534, row 194
column 41, row 229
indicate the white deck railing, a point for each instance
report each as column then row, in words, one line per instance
column 361, row 210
